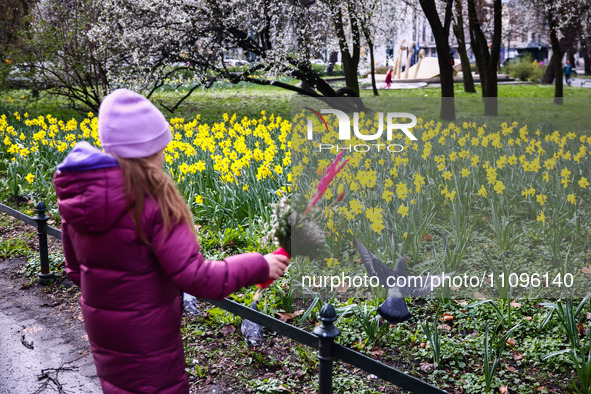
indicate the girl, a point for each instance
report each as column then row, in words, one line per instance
column 388, row 80
column 130, row 245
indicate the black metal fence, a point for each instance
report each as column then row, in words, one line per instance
column 322, row 338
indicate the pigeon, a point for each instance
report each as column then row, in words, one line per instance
column 190, row 305
column 394, row 308
column 252, row 332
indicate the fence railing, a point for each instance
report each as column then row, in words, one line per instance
column 322, row 338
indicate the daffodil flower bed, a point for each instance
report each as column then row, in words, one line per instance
column 230, row 171
column 507, row 203
column 460, row 193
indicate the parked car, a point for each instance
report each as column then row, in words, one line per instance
column 20, row 76
column 236, row 62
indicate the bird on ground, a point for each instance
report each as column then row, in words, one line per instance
column 394, row 309
column 253, row 332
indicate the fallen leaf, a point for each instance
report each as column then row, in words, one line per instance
column 447, row 317
column 586, row 270
column 480, row 296
column 515, row 304
column 299, row 374
column 528, row 318
column 503, row 390
column 510, row 368
column 228, row 330
column 444, row 327
column 540, row 389
column 343, row 287
column 462, row 302
column 588, row 315
column 511, row 342
column 427, row 367
column 516, row 355
column 376, row 351
column 582, row 329
column 427, row 238
column 32, row 330
column 289, row 316
column 424, row 345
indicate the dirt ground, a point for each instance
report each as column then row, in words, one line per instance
column 44, row 347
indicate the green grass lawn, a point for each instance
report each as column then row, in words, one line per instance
column 248, row 100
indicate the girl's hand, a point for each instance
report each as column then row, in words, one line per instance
column 277, row 265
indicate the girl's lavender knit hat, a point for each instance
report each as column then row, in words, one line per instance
column 130, row 126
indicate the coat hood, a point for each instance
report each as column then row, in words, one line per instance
column 90, row 189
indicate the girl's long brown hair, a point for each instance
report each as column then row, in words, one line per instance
column 144, row 178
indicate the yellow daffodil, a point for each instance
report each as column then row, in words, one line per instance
column 499, row 187
column 403, row 210
column 482, row 191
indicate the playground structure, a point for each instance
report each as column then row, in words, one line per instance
column 425, row 68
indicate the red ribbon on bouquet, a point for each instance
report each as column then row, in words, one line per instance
column 266, row 284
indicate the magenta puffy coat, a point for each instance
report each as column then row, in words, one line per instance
column 131, row 293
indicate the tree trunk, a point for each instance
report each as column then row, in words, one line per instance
column 350, row 57
column 487, row 61
column 461, row 38
column 441, row 34
column 556, row 65
column 372, row 67
column 571, row 57
column 350, row 70
column 549, row 74
column 586, row 46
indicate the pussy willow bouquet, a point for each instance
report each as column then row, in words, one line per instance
column 294, row 231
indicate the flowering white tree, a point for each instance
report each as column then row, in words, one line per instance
column 161, row 37
column 564, row 21
column 147, row 44
column 63, row 57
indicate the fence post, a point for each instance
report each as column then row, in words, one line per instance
column 41, row 220
column 326, row 333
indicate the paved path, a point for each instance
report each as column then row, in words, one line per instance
column 581, row 82
column 57, row 341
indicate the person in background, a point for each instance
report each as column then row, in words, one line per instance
column 567, row 71
column 388, row 79
column 130, row 244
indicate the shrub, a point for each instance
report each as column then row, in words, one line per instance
column 525, row 69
